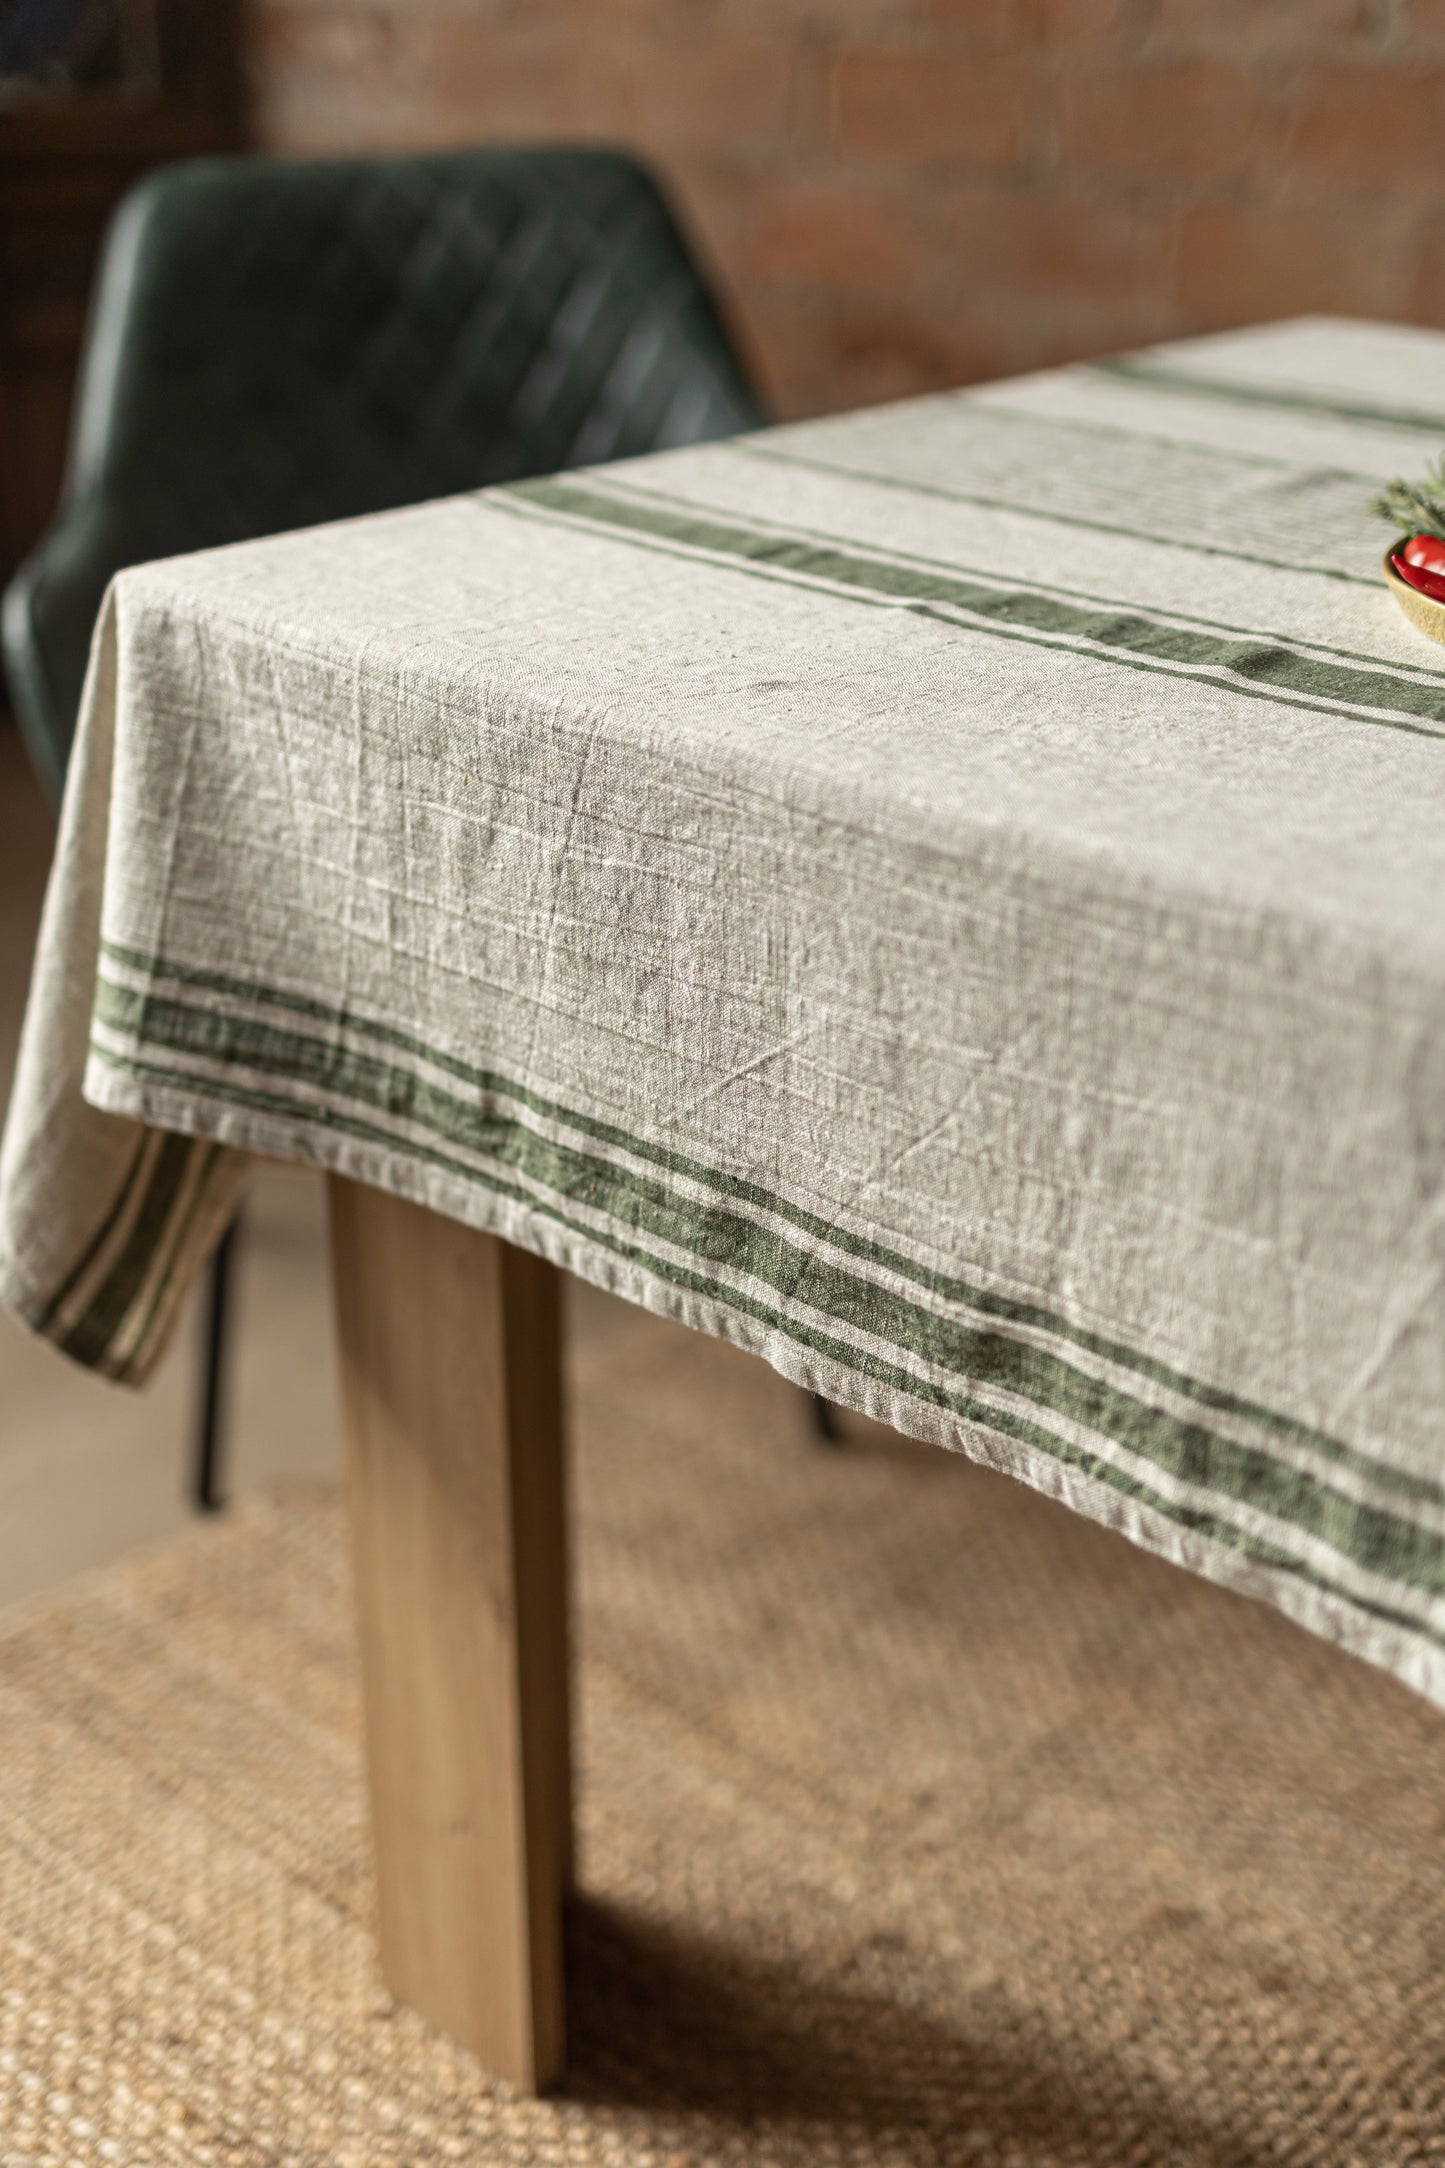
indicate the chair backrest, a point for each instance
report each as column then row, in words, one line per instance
column 275, row 343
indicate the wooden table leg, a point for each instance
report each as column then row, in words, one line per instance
column 451, row 1408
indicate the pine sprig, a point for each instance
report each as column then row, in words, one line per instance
column 1416, row 507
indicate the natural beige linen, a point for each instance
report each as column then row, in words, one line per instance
column 949, row 898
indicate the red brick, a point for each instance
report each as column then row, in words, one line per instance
column 811, row 90
column 509, row 82
column 1425, row 297
column 914, row 106
column 1193, row 120
column 833, row 238
column 1081, row 22
column 1045, row 244
column 731, row 92
column 787, row 346
column 1015, row 23
column 1378, row 127
column 1240, row 263
column 896, row 355
column 324, row 77
column 1246, row 28
column 715, row 207
column 991, row 22
column 1050, row 335
column 334, row 36
column 828, row 17
column 525, row 77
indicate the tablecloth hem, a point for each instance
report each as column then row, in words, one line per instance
column 19, row 1294
column 113, row 1305
column 1411, row 1656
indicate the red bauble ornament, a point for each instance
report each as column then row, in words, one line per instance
column 1416, row 576
column 1425, row 550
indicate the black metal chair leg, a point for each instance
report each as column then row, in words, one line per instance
column 825, row 1421
column 213, row 1377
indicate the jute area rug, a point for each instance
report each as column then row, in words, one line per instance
column 921, row 1823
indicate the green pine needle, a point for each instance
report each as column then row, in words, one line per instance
column 1416, row 507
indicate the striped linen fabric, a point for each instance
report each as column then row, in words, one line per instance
column 951, row 898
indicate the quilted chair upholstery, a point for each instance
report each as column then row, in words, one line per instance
column 275, row 343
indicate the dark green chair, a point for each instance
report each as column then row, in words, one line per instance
column 275, row 343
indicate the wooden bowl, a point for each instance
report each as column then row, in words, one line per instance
column 1422, row 610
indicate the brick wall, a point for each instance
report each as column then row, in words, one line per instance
column 896, row 194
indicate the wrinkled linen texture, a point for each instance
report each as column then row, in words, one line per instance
column 950, row 898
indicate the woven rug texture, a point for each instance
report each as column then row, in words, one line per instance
column 921, row 1822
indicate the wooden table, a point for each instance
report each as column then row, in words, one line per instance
column 455, row 1475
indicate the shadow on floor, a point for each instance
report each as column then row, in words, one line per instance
column 670, row 2023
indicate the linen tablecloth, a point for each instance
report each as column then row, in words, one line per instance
column 951, row 898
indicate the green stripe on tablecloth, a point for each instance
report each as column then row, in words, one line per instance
column 176, row 1244
column 935, row 1285
column 988, row 400
column 1267, row 395
column 1258, row 669
column 863, row 1363
column 98, row 1240
column 94, row 1332
column 769, row 454
column 1372, row 1539
column 1396, row 672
